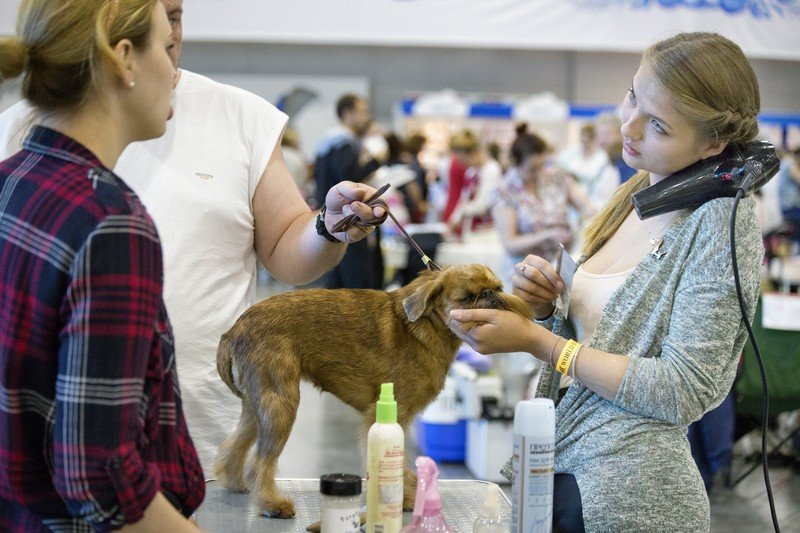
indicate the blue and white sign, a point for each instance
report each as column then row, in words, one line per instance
column 763, row 28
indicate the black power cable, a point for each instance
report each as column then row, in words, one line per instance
column 765, row 414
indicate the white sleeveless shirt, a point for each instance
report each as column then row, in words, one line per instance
column 197, row 181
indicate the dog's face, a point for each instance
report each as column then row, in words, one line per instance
column 458, row 287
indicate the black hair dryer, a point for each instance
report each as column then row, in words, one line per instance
column 746, row 167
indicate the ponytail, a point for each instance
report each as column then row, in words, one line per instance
column 13, row 58
column 60, row 47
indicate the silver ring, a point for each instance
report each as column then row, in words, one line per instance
column 523, row 271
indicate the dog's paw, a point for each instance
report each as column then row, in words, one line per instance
column 408, row 503
column 409, row 490
column 283, row 508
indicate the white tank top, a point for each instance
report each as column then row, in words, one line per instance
column 590, row 294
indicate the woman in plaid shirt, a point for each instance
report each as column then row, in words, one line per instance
column 92, row 433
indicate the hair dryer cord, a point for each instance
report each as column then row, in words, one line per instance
column 765, row 412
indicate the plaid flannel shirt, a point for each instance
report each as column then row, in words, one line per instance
column 91, row 425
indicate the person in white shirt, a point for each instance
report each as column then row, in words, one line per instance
column 222, row 199
column 586, row 161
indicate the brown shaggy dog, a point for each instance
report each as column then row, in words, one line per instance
column 346, row 342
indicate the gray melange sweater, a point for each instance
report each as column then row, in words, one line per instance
column 678, row 319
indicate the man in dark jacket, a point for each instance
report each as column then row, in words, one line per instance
column 339, row 158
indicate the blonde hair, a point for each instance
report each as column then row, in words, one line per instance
column 464, row 141
column 60, row 46
column 713, row 86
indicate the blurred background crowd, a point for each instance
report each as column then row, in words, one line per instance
column 516, row 191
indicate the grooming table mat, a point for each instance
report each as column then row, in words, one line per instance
column 234, row 512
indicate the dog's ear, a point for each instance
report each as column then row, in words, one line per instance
column 420, row 301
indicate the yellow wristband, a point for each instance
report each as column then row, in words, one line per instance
column 567, row 353
column 573, row 368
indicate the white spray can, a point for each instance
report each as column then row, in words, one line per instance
column 532, row 481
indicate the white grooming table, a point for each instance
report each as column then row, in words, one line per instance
column 230, row 512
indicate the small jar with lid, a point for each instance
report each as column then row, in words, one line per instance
column 341, row 503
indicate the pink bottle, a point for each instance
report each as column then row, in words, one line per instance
column 428, row 504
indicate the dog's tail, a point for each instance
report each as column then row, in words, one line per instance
column 228, row 346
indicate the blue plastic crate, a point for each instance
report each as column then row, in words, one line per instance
column 442, row 442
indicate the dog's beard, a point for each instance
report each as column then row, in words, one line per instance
column 499, row 300
column 492, row 302
column 502, row 301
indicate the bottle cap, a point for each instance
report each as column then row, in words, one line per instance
column 386, row 408
column 340, row 485
column 491, row 505
column 536, row 417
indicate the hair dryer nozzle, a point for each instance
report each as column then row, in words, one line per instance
column 746, row 167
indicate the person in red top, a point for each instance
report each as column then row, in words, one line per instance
column 92, row 433
column 456, row 173
column 462, row 144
